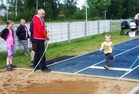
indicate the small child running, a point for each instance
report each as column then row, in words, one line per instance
column 107, row 45
column 8, row 35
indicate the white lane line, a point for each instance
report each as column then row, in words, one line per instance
column 127, row 44
column 135, row 90
column 111, row 68
column 120, row 49
column 104, row 60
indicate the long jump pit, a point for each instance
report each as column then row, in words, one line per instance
column 15, row 82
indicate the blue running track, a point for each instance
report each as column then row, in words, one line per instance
column 92, row 63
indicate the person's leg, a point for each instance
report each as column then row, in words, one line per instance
column 25, row 45
column 32, row 55
column 42, row 55
column 107, row 59
column 10, row 49
column 33, row 51
column 111, row 57
column 36, row 58
column 11, row 53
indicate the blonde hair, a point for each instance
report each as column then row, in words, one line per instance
column 22, row 20
column 9, row 22
column 108, row 36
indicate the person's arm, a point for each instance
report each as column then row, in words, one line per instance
column 47, row 33
column 102, row 46
column 4, row 33
column 18, row 31
column 31, row 28
column 112, row 46
column 13, row 35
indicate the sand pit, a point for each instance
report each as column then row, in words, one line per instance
column 13, row 82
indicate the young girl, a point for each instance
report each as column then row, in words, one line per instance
column 8, row 35
column 107, row 45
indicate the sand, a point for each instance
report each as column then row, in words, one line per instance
column 14, row 82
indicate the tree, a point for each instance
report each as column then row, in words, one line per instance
column 116, row 10
column 52, row 9
column 131, row 7
column 96, row 7
column 2, row 4
column 69, row 8
column 30, row 9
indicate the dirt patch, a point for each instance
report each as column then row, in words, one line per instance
column 13, row 82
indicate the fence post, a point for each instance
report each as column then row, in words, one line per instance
column 120, row 22
column 51, row 27
column 68, row 32
column 98, row 27
column 76, row 29
column 110, row 25
column 61, row 31
column 85, row 33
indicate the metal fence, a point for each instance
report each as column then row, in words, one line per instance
column 66, row 31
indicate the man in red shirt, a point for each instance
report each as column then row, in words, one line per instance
column 40, row 36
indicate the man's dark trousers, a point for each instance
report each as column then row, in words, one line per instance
column 38, row 54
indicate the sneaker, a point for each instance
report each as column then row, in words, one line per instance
column 106, row 67
column 46, row 70
column 37, row 70
column 32, row 61
column 9, row 68
column 12, row 65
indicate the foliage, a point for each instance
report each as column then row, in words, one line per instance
column 115, row 10
column 123, row 9
column 131, row 8
column 97, row 7
column 68, row 10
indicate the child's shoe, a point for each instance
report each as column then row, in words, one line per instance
column 32, row 61
column 13, row 66
column 9, row 68
column 106, row 67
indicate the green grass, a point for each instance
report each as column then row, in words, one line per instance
column 74, row 48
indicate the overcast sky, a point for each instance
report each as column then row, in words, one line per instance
column 80, row 3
